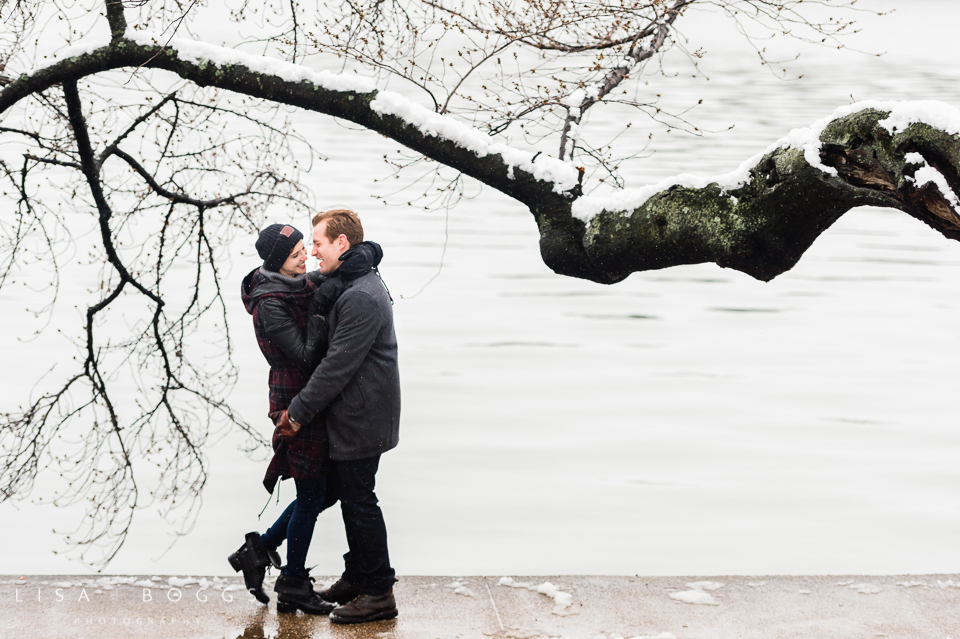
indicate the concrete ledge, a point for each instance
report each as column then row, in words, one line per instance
column 834, row 607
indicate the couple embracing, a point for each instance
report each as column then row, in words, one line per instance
column 335, row 401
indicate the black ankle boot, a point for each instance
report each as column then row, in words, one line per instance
column 253, row 558
column 297, row 592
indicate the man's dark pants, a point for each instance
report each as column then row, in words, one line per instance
column 367, row 563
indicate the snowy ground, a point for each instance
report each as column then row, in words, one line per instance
column 689, row 421
column 846, row 607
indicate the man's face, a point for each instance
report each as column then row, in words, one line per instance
column 326, row 251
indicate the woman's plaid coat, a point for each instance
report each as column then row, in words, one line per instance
column 274, row 302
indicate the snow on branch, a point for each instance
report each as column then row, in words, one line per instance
column 544, row 168
column 201, row 53
column 938, row 115
column 927, row 174
column 561, row 176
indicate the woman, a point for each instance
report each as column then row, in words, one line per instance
column 278, row 295
column 287, row 309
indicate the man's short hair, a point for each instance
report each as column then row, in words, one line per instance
column 341, row 222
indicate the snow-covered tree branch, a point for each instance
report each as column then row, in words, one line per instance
column 758, row 220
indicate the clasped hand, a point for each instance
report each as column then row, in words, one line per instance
column 281, row 419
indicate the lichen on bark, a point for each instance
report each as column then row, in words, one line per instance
column 765, row 226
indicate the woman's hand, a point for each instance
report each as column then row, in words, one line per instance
column 287, row 427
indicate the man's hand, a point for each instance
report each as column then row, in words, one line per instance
column 327, row 295
column 288, row 427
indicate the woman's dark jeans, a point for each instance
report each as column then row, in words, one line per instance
column 296, row 525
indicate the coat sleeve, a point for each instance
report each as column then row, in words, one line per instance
column 358, row 324
column 299, row 346
column 316, row 277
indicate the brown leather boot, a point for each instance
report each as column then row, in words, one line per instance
column 366, row 608
column 341, row 591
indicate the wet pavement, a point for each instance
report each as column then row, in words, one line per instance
column 835, row 607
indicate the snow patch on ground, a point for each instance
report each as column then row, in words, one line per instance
column 518, row 633
column 947, row 584
column 111, row 583
column 756, row 584
column 912, row 584
column 461, row 588
column 695, row 597
column 106, row 583
column 901, row 115
column 509, row 581
column 699, row 593
column 561, row 600
column 866, row 589
column 181, row 582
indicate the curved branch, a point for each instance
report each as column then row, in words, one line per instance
column 763, row 230
column 355, row 106
column 547, row 197
column 179, row 198
column 130, row 129
column 764, row 226
column 88, row 165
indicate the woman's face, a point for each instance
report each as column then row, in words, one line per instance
column 297, row 262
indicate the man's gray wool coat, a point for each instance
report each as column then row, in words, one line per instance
column 357, row 384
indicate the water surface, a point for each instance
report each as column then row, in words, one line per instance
column 685, row 421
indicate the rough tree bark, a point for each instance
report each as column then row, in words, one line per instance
column 787, row 204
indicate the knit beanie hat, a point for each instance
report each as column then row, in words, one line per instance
column 275, row 243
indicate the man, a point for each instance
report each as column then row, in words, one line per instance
column 288, row 318
column 357, row 388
